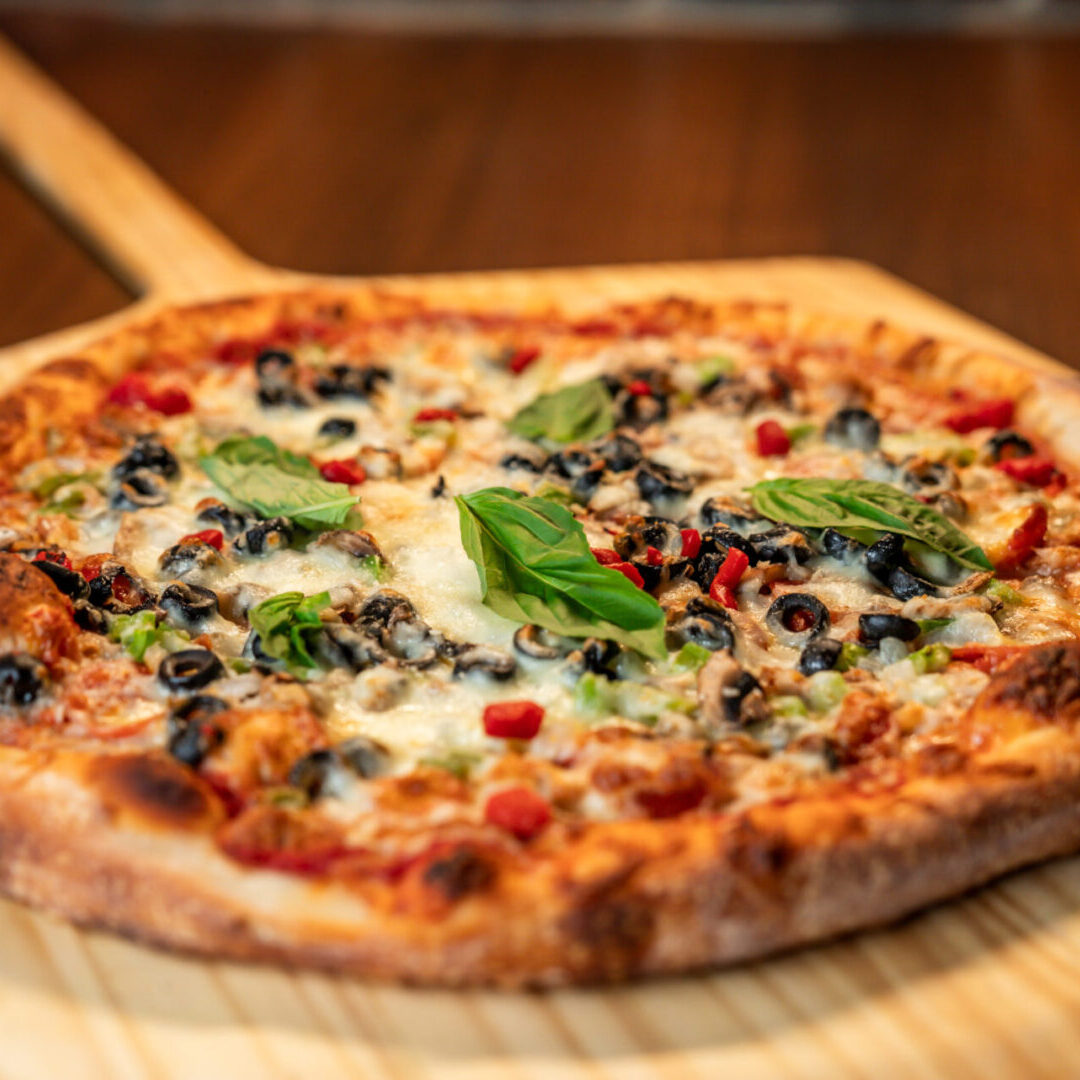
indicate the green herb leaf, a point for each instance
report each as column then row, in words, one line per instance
column 575, row 413
column 139, row 631
column 274, row 482
column 535, row 566
column 846, row 505
column 287, row 625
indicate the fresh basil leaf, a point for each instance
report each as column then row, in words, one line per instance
column 846, row 505
column 287, row 625
column 535, row 566
column 575, row 413
column 258, row 474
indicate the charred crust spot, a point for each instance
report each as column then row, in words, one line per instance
column 615, row 933
column 1045, row 682
column 155, row 788
column 460, row 874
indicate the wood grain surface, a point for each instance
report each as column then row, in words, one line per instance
column 988, row 986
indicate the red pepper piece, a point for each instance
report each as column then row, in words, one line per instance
column 343, row 471
column 170, row 401
column 523, row 358
column 1036, row 471
column 1024, row 540
column 605, row 556
column 691, row 543
column 518, row 810
column 989, row 414
column 722, row 588
column 123, row 588
column 674, row 801
column 639, row 388
column 214, row 537
column 654, row 557
column 424, row 416
column 54, row 557
column 513, row 719
column 135, row 389
column 236, row 352
column 631, row 572
column 772, row 439
column 988, row 658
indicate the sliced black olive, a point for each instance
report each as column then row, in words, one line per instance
column 619, row 452
column 885, row 555
column 118, row 590
column 337, row 427
column 87, row 617
column 191, row 732
column 366, row 757
column 733, row 696
column 189, row 605
column 147, row 453
column 341, row 646
column 781, row 545
column 22, row 678
column 69, row 582
column 187, row 557
column 796, row 618
column 659, row 484
column 569, row 463
column 875, row 628
column 540, row 644
column 271, row 363
column 706, row 623
column 138, row 489
column 231, row 522
column 597, row 655
column 383, row 609
column 348, row 380
column 438, row 489
column 313, row 774
column 928, row 476
column 853, row 429
column 640, row 410
column 820, row 655
column 1008, row 444
column 523, row 462
column 650, row 532
column 281, row 393
column 583, row 487
column 723, row 511
column 841, row 547
column 189, row 669
column 719, row 538
column 358, row 543
column 905, row 585
column 412, row 642
column 275, row 370
column 950, row 504
column 264, row 537
column 485, row 660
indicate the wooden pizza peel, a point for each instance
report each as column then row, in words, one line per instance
column 987, row 986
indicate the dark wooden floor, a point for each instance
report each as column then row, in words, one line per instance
column 955, row 164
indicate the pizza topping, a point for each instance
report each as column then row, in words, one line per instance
column 691, row 543
column 276, row 375
column 728, row 573
column 1008, row 444
column 853, row 429
column 575, row 413
column 483, row 660
column 538, row 643
column 264, row 537
column 22, row 678
column 1024, row 540
column 513, row 719
column 772, row 439
column 337, row 427
column 343, row 471
column 136, row 389
column 729, row 696
column 821, row 655
column 139, row 489
column 191, row 731
column 191, row 555
column 189, row 605
column 797, row 618
column 1036, row 471
column 285, row 627
column 873, row 629
column 63, row 577
column 518, row 810
column 992, row 414
column 704, row 623
column 349, row 381
column 189, row 669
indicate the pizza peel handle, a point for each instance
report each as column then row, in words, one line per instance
column 147, row 235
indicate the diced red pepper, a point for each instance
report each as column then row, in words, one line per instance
column 630, row 572
column 57, row 557
column 135, row 389
column 1024, row 540
column 214, row 537
column 772, row 439
column 670, row 802
column 343, row 471
column 1036, row 471
column 518, row 810
column 654, row 557
column 722, row 588
column 989, row 414
column 605, row 556
column 236, row 352
column 988, row 658
column 691, row 543
column 513, row 719
column 124, row 589
column 523, row 358
column 425, row 416
column 639, row 388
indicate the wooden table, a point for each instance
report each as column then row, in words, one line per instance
column 560, row 152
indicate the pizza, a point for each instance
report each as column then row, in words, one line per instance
column 530, row 645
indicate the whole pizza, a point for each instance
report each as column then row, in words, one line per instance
column 524, row 647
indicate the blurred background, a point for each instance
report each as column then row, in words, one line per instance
column 938, row 139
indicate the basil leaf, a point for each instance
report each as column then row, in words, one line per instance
column 287, row 625
column 575, row 413
column 847, row 505
column 535, row 566
column 274, row 482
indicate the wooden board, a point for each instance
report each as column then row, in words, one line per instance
column 988, row 986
